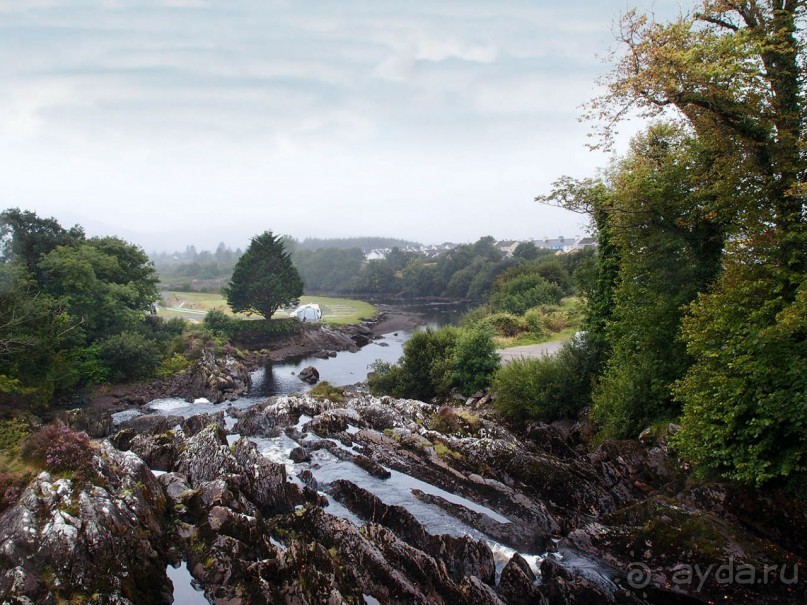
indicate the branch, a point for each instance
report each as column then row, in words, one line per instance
column 716, row 21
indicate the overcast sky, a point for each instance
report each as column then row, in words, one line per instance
column 171, row 122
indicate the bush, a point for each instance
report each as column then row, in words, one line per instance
column 173, row 365
column 11, row 487
column 524, row 292
column 546, row 388
column 128, row 356
column 504, row 324
column 219, row 323
column 425, row 370
column 59, row 449
column 325, row 390
column 475, row 360
column 535, row 320
column 12, row 433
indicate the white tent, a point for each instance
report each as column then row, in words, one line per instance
column 310, row 312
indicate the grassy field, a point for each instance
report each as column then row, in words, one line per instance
column 195, row 305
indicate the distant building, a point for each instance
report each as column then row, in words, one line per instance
column 377, row 254
column 565, row 244
column 507, row 246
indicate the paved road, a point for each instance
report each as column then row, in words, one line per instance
column 539, row 350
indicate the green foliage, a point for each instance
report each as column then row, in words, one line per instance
column 504, row 324
column 475, row 360
column 524, row 292
column 325, row 390
column 745, row 396
column 264, row 278
column 425, row 369
column 128, row 356
column 12, row 433
column 435, row 361
column 174, row 364
column 544, row 388
column 669, row 250
column 219, row 323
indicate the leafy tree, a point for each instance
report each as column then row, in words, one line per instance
column 27, row 238
column 524, row 292
column 106, row 284
column 734, row 73
column 264, row 278
column 670, row 242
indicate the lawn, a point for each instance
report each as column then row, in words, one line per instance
column 195, row 305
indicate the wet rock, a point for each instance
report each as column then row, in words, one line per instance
column 328, row 423
column 150, row 423
column 299, row 454
column 668, row 539
column 258, row 422
column 195, row 424
column 549, row 440
column 517, row 535
column 462, row 555
column 96, row 423
column 175, row 486
column 309, row 375
column 67, row 540
column 562, row 586
column 160, row 452
column 363, row 462
column 517, row 584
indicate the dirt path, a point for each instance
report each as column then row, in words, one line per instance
column 539, row 350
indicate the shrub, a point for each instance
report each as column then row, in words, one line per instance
column 534, row 319
column 11, row 487
column 59, row 449
column 172, row 365
column 128, row 356
column 449, row 420
column 325, row 390
column 545, row 388
column 475, row 360
column 12, row 433
column 385, row 379
column 524, row 292
column 504, row 324
column 219, row 323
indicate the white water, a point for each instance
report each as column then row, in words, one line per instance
column 185, row 592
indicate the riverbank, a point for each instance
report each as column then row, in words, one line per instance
column 313, row 340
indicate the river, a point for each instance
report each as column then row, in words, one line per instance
column 352, row 367
column 344, row 369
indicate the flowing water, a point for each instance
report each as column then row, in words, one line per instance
column 349, row 368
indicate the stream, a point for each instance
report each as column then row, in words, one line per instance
column 350, row 368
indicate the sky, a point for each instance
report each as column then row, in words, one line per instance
column 176, row 122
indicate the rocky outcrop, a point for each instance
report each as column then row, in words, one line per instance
column 606, row 514
column 216, row 379
column 66, row 540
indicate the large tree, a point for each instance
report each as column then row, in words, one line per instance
column 264, row 278
column 734, row 71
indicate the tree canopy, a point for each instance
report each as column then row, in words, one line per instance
column 264, row 278
column 706, row 307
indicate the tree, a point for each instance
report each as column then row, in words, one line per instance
column 734, row 73
column 670, row 242
column 27, row 238
column 264, row 278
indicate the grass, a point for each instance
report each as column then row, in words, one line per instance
column 195, row 305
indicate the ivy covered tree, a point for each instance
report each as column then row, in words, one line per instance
column 264, row 278
column 733, row 71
